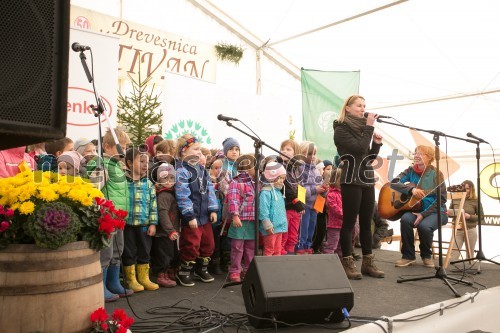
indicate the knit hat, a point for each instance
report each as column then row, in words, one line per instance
column 229, row 143
column 80, row 144
column 160, row 170
column 273, row 170
column 71, row 157
column 320, row 165
column 327, row 163
column 151, row 141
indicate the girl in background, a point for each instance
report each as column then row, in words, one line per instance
column 334, row 212
column 471, row 209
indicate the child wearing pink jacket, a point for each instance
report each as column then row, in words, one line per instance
column 334, row 212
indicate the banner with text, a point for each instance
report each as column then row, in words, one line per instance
column 152, row 50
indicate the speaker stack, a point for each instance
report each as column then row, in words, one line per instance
column 309, row 289
column 34, row 71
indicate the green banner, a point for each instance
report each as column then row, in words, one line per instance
column 323, row 94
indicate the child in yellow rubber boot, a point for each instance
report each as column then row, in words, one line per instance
column 141, row 222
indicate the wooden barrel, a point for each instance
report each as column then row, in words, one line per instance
column 44, row 290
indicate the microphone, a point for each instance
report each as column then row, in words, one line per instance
column 378, row 116
column 470, row 135
column 77, row 47
column 224, row 118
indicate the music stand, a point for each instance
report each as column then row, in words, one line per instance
column 440, row 271
column 480, row 255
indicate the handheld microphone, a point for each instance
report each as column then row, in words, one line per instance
column 470, row 135
column 379, row 115
column 77, row 47
column 224, row 118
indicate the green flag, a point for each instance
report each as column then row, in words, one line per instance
column 323, row 94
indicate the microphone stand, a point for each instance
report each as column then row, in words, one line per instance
column 257, row 143
column 440, row 271
column 98, row 111
column 480, row 255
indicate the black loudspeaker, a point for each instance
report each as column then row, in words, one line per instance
column 34, row 71
column 296, row 289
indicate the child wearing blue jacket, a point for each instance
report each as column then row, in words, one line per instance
column 198, row 207
column 272, row 212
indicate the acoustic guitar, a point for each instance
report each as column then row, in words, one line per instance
column 393, row 204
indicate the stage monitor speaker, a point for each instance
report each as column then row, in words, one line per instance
column 34, row 71
column 296, row 289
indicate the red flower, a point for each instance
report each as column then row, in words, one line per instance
column 4, row 226
column 104, row 326
column 106, row 224
column 121, row 214
column 127, row 322
column 99, row 201
column 121, row 329
column 119, row 224
column 119, row 315
column 99, row 315
column 108, row 204
column 8, row 213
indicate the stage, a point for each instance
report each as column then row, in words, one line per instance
column 373, row 298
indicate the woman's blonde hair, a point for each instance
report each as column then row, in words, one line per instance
column 348, row 102
column 427, row 151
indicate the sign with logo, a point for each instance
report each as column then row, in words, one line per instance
column 152, row 50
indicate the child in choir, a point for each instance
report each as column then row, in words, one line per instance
column 151, row 142
column 272, row 212
column 215, row 168
column 240, row 198
column 69, row 164
column 231, row 149
column 141, row 222
column 334, row 212
column 54, row 149
column 165, row 152
column 198, row 208
column 164, row 252
column 115, row 188
column 313, row 183
column 294, row 208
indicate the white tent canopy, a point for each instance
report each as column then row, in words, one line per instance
column 429, row 64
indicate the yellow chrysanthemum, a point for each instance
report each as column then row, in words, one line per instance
column 47, row 193
column 27, row 208
column 87, row 202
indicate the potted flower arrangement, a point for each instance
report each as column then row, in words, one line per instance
column 118, row 323
column 51, row 228
column 50, row 210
